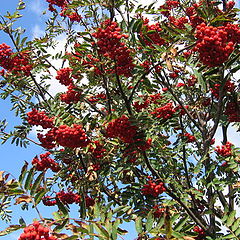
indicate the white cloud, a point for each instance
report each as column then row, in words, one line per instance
column 37, row 32
column 37, row 7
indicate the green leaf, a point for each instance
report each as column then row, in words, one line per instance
column 29, row 179
column 37, row 183
column 62, row 208
column 180, row 224
column 235, row 225
column 231, row 218
column 150, row 220
column 138, row 225
column 38, row 197
column 61, row 226
column 23, row 172
column 237, row 232
column 101, row 230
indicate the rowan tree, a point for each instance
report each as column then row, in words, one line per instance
column 132, row 139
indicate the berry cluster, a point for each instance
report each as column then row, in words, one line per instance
column 36, row 118
column 97, row 97
column 158, row 211
column 201, row 234
column 36, row 231
column 45, row 162
column 109, row 44
column 165, row 112
column 97, row 150
column 228, row 87
column 215, row 44
column 72, row 15
column 153, row 188
column 47, row 140
column 189, row 138
column 224, row 150
column 59, row 3
column 141, row 105
column 65, row 136
column 71, row 96
column 178, row 22
column 68, row 197
column 64, row 76
column 122, row 128
column 13, row 62
column 89, row 201
column 233, row 111
column 49, row 201
column 71, row 137
column 152, row 32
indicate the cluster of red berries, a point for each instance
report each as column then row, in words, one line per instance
column 14, row 63
column 89, row 201
column 147, row 100
column 178, row 22
column 141, row 105
column 215, row 44
column 64, row 76
column 168, row 6
column 122, row 128
column 110, row 45
column 201, row 233
column 164, row 112
column 59, row 3
column 65, row 136
column 152, row 33
column 45, row 162
column 224, row 150
column 158, row 211
column 97, row 97
column 153, row 188
column 48, row 139
column 189, row 138
column 36, row 231
column 72, row 15
column 71, row 137
column 97, row 150
column 233, row 111
column 71, row 96
column 37, row 118
column 49, row 201
column 68, row 197
column 228, row 87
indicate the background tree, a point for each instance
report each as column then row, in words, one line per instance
column 132, row 137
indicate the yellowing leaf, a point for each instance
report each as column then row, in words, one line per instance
column 23, row 198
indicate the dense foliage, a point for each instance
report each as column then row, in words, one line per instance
column 132, row 138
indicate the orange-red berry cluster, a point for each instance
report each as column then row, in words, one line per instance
column 65, row 136
column 122, row 128
column 71, row 96
column 14, row 63
column 109, row 44
column 152, row 33
column 64, row 76
column 228, row 87
column 36, row 231
column 71, row 136
column 215, row 44
column 224, row 150
column 233, row 111
column 45, row 162
column 37, row 118
column 164, row 112
column 153, row 188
